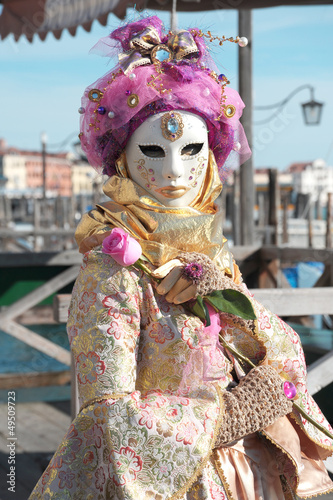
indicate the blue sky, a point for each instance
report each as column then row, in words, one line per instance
column 41, row 83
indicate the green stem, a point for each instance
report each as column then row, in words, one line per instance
column 237, row 354
column 243, row 358
column 140, row 265
column 312, row 421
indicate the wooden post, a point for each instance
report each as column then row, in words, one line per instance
column 245, row 90
column 319, row 215
column 310, row 225
column 236, row 233
column 329, row 221
column 274, row 204
column 285, row 236
column 36, row 222
column 261, row 210
column 2, row 211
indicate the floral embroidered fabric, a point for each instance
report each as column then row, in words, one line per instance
column 153, row 432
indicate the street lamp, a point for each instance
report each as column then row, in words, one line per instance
column 43, row 139
column 311, row 110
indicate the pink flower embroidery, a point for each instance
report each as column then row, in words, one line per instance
column 66, row 479
column 100, row 478
column 292, row 367
column 161, row 333
column 147, row 419
column 128, row 464
column 94, row 436
column 190, row 333
column 187, row 431
column 88, row 367
column 215, row 491
column 264, row 322
column 115, row 330
column 88, row 299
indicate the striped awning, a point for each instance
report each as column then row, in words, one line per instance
column 30, row 17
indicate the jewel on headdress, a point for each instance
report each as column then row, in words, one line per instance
column 95, row 95
column 206, row 92
column 229, row 111
column 81, row 110
column 161, row 53
column 111, row 114
column 133, row 100
column 236, row 146
column 172, row 126
column 132, row 76
column 101, row 110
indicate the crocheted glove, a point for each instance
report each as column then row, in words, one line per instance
column 212, row 277
column 254, row 404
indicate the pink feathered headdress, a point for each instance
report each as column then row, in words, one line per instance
column 158, row 72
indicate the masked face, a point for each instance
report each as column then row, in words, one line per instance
column 168, row 155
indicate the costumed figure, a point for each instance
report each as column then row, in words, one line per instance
column 170, row 408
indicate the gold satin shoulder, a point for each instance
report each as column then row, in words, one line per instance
column 162, row 231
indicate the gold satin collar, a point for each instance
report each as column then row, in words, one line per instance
column 163, row 232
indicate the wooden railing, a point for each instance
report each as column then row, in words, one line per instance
column 264, row 263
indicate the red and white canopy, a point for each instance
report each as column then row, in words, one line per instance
column 30, row 17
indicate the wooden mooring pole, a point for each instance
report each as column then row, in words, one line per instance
column 245, row 90
column 329, row 221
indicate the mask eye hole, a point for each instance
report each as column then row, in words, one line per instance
column 192, row 149
column 152, row 151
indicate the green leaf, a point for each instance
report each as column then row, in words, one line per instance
column 231, row 302
column 200, row 309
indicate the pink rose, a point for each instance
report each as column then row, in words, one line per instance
column 122, row 247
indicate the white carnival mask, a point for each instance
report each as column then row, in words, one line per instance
column 168, row 156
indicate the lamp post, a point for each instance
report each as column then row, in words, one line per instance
column 43, row 139
column 312, row 109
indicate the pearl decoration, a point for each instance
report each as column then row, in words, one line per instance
column 81, row 110
column 206, row 92
column 168, row 96
column 237, row 146
column 243, row 41
column 132, row 76
column 111, row 114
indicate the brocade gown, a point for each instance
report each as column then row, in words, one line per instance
column 150, row 383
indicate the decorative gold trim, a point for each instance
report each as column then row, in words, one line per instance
column 156, row 49
column 164, row 126
column 263, row 433
column 218, row 465
column 318, row 494
column 330, row 448
column 232, row 112
column 133, row 100
column 181, row 492
column 92, row 92
column 101, row 399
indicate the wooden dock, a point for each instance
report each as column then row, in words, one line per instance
column 40, row 428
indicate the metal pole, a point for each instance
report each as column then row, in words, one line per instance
column 245, row 90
